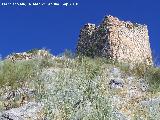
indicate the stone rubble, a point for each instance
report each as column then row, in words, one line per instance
column 32, row 54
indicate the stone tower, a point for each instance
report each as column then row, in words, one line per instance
column 116, row 40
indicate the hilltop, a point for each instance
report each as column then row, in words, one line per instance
column 38, row 85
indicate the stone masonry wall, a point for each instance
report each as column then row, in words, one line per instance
column 117, row 40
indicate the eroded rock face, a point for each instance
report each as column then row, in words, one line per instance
column 117, row 40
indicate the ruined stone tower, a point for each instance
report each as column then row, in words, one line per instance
column 116, row 40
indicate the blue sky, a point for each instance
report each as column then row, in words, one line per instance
column 57, row 28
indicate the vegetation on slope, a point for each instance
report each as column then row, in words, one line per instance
column 70, row 88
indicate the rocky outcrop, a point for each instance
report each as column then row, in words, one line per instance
column 31, row 110
column 116, row 40
column 32, row 54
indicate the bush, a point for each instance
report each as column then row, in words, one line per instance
column 153, row 77
column 45, row 63
column 14, row 74
column 139, row 70
column 32, row 51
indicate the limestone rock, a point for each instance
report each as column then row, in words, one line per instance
column 116, row 83
column 115, row 72
column 144, row 86
column 31, row 110
column 31, row 54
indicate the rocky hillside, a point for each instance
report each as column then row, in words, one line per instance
column 36, row 85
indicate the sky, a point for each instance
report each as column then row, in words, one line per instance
column 57, row 27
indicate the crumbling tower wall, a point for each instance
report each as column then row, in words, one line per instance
column 116, row 40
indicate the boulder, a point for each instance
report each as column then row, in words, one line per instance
column 116, row 83
column 31, row 110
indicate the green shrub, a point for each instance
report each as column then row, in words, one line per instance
column 32, row 51
column 153, row 77
column 45, row 63
column 14, row 74
column 138, row 70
